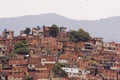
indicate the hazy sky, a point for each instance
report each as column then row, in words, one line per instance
column 75, row 9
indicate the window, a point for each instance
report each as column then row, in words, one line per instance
column 43, row 60
column 66, row 69
column 30, row 65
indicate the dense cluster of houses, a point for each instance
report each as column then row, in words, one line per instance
column 92, row 60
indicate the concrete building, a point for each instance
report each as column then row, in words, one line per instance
column 37, row 31
column 8, row 34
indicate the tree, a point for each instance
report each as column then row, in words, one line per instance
column 79, row 35
column 27, row 31
column 73, row 35
column 58, row 71
column 54, row 30
column 21, row 48
column 20, row 45
column 27, row 78
column 84, row 36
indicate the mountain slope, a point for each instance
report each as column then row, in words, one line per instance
column 107, row 28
